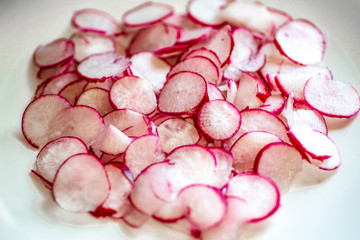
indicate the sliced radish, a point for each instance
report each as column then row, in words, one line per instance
column 147, row 13
column 106, row 85
column 45, row 73
column 56, row 84
column 213, row 92
column 73, row 90
column 224, row 162
column 115, row 141
column 301, row 41
column 81, row 184
column 274, row 104
column 96, row 98
column 203, row 52
column 54, row 52
column 206, row 12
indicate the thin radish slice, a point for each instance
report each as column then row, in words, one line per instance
column 170, row 212
column 56, row 84
column 301, row 41
column 45, row 73
column 213, row 92
column 81, row 184
column 247, row 147
column 96, row 98
column 39, row 115
column 151, row 68
column 171, row 51
column 115, row 141
column 106, row 85
column 134, row 218
column 205, row 206
column 54, row 52
column 280, row 162
column 261, row 195
column 147, row 13
column 188, row 89
column 224, row 162
column 206, row 12
column 102, row 66
column 133, row 93
column 279, row 17
column 204, row 53
column 219, row 119
column 274, row 104
column 332, row 98
column 73, row 90
column 96, row 21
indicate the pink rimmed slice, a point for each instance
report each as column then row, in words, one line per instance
column 100, row 67
column 73, row 90
column 213, row 92
column 106, row 85
column 175, row 132
column 261, row 195
column 275, row 104
column 54, row 52
column 279, row 17
column 187, row 89
column 280, row 162
column 142, row 152
column 224, row 162
column 96, row 98
column 147, row 13
column 203, row 52
column 45, row 73
column 332, row 98
column 53, row 154
column 56, row 84
column 38, row 117
column 81, row 184
column 171, row 51
column 134, row 93
column 151, row 68
column 114, row 141
column 96, row 21
column 204, row 205
column 219, row 119
column 247, row 147
column 301, row 41
column 87, row 44
column 206, row 12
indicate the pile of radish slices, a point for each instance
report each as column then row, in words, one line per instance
column 200, row 118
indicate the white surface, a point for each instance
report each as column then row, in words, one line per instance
column 328, row 210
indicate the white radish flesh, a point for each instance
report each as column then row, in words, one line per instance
column 54, row 52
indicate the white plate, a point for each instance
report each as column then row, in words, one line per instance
column 328, row 210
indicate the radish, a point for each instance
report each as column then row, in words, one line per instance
column 96, row 98
column 205, row 11
column 45, row 73
column 56, row 84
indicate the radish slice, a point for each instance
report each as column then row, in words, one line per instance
column 261, row 195
column 54, row 52
column 73, row 90
column 203, row 52
column 96, row 21
column 81, row 184
column 219, row 119
column 213, row 92
column 301, row 41
column 274, row 104
column 45, row 73
column 206, row 12
column 106, row 85
column 133, row 93
column 54, row 85
column 224, row 162
column 332, row 98
column 96, row 98
column 100, row 67
column 115, row 141
column 188, row 89
column 147, row 13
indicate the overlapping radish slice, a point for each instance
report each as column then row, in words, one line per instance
column 45, row 73
column 96, row 98
column 206, row 12
column 56, row 84
column 114, row 141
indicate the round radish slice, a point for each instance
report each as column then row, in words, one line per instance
column 332, row 98
column 102, row 66
column 133, row 93
column 183, row 92
column 261, row 195
column 214, row 93
column 53, row 154
column 73, row 90
column 147, row 13
column 96, row 98
column 203, row 52
column 301, row 41
column 94, row 20
column 81, row 184
column 56, row 84
column 224, row 162
column 114, row 142
column 54, row 52
column 45, row 73
column 206, row 11
column 219, row 119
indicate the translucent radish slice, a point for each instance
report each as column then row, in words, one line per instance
column 151, row 68
column 45, row 73
column 274, row 104
column 56, row 84
column 213, row 92
column 332, row 98
column 301, row 41
column 53, row 154
column 38, row 117
column 73, row 90
column 219, row 119
column 205, row 206
column 206, row 12
column 170, row 212
column 96, row 98
column 187, row 89
column 279, row 17
column 247, row 147
column 171, row 51
column 280, row 162
column 54, row 52
column 224, row 162
column 133, row 93
column 134, row 218
column 81, row 184
column 102, row 66
column 142, row 152
column 106, row 85
column 176, row 132
column 96, row 21
column 87, row 44
column 115, row 141
column 261, row 195
column 147, row 13
column 203, row 52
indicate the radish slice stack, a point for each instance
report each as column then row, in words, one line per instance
column 199, row 119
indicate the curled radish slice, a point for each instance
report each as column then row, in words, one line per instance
column 53, row 154
column 301, row 41
column 332, row 98
column 102, row 66
column 81, row 184
column 206, row 12
column 146, row 14
column 96, row 21
column 219, row 119
column 260, row 194
column 96, row 98
column 188, row 89
column 133, row 93
column 54, row 52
